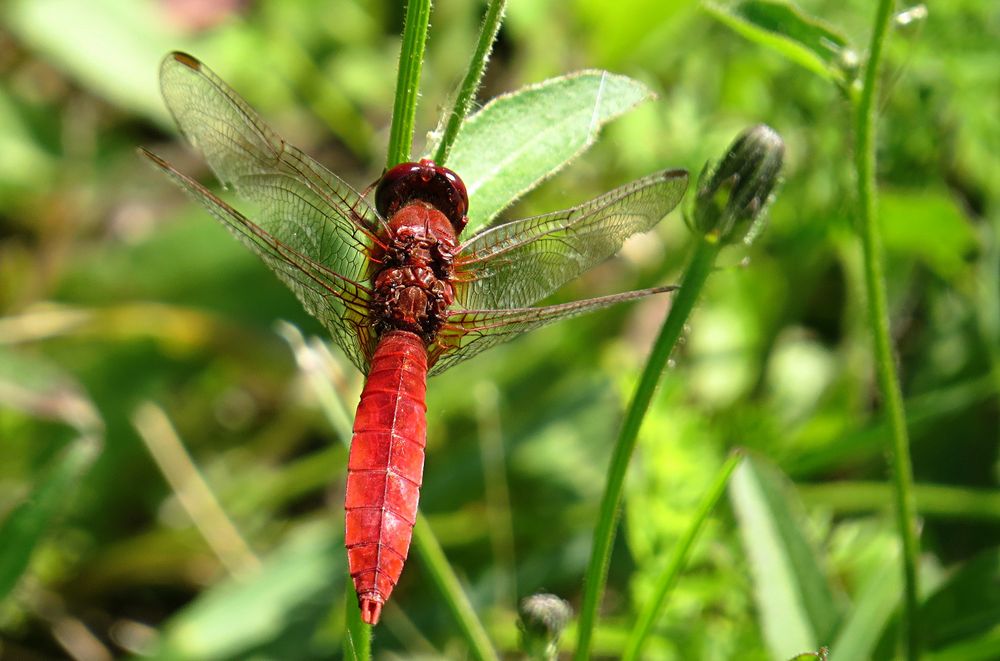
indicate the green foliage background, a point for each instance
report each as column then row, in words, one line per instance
column 115, row 291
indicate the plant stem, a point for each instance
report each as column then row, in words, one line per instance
column 604, row 534
column 933, row 500
column 357, row 634
column 681, row 549
column 467, row 92
column 871, row 239
column 411, row 59
column 454, row 596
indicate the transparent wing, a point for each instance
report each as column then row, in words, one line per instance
column 468, row 332
column 299, row 202
column 339, row 303
column 515, row 264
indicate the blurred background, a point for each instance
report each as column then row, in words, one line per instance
column 132, row 327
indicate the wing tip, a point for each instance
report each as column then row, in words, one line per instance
column 189, row 61
column 675, row 173
column 156, row 160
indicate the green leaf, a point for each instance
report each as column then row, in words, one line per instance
column 21, row 532
column 810, row 656
column 112, row 47
column 798, row 37
column 979, row 648
column 878, row 598
column 292, row 590
column 928, row 225
column 796, row 604
column 46, row 392
column 519, row 139
column 966, row 605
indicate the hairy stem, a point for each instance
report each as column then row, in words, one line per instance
column 871, row 240
column 467, row 92
column 411, row 59
column 357, row 634
column 604, row 535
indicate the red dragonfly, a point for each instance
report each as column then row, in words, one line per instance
column 399, row 292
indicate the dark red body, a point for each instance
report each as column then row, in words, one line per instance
column 412, row 293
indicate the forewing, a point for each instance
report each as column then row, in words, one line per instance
column 515, row 264
column 339, row 303
column 468, row 332
column 299, row 202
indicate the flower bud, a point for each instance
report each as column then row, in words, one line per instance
column 732, row 196
column 542, row 620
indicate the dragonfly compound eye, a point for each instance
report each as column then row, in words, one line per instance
column 426, row 182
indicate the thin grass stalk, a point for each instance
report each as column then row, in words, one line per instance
column 195, row 495
column 451, row 590
column 496, row 492
column 681, row 550
column 871, row 240
column 933, row 500
column 411, row 59
column 604, row 534
column 473, row 77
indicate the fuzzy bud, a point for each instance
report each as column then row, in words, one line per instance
column 732, row 196
column 542, row 620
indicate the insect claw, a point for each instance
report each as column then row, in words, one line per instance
column 371, row 609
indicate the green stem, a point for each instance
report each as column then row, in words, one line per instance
column 871, row 239
column 357, row 634
column 666, row 581
column 454, row 596
column 933, row 500
column 604, row 534
column 411, row 58
column 467, row 92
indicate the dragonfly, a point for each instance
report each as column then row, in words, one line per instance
column 389, row 276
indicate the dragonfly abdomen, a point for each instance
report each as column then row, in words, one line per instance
column 385, row 468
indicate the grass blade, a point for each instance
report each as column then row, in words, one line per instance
column 451, row 590
column 876, row 604
column 21, row 532
column 668, row 578
column 193, row 492
column 796, row 604
column 251, row 617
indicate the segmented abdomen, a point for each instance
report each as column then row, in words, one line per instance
column 385, row 467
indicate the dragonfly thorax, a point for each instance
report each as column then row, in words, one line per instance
column 412, row 287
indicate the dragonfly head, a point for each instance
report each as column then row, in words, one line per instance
column 426, row 182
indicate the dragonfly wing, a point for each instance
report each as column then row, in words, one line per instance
column 468, row 332
column 299, row 202
column 515, row 264
column 339, row 303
